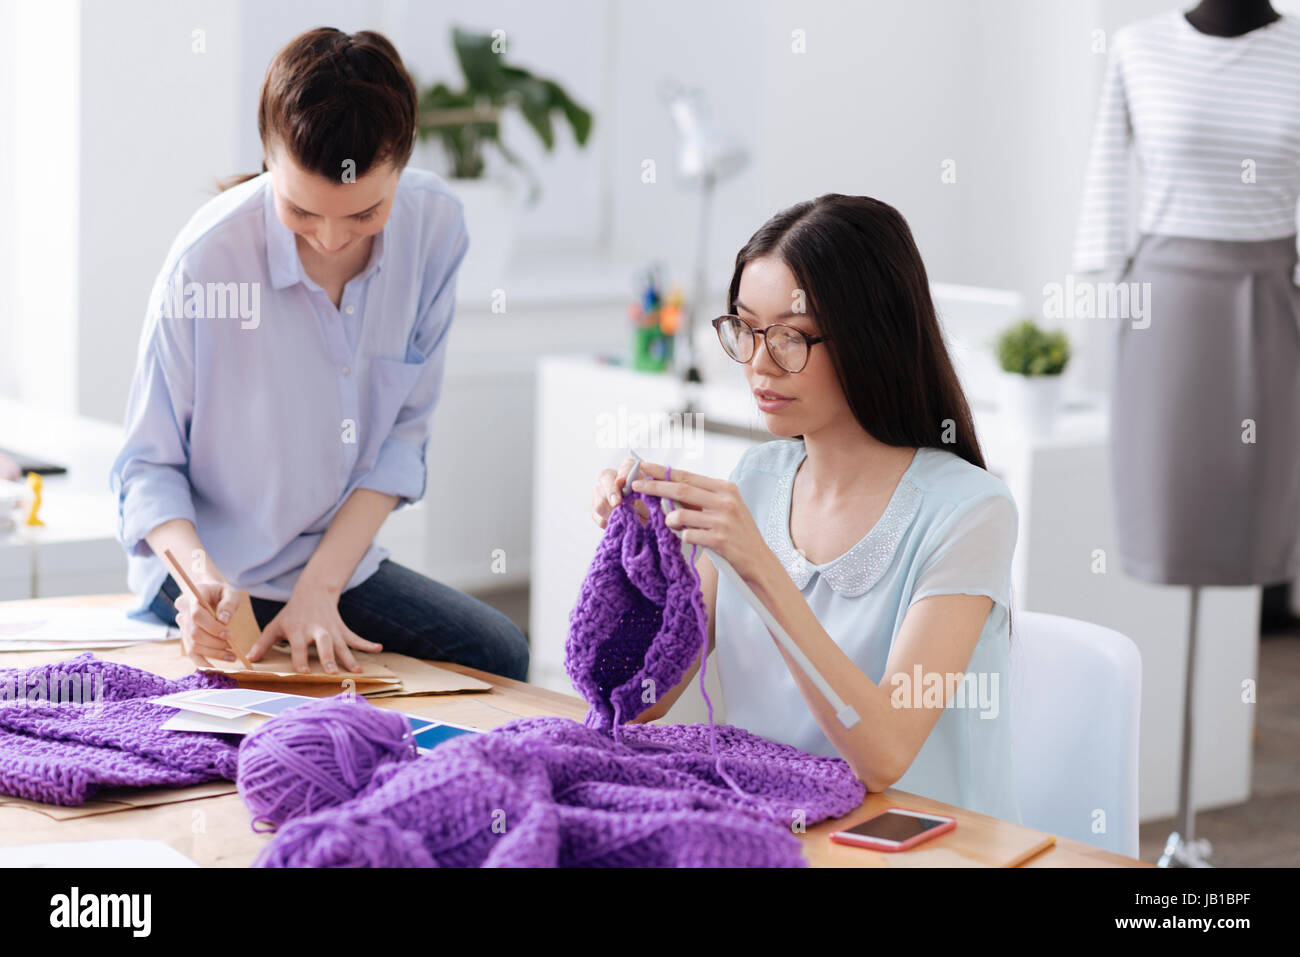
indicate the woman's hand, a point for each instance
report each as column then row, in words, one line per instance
column 609, row 494
column 311, row 617
column 204, row 635
column 711, row 514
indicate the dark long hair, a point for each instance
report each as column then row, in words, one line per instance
column 863, row 280
column 331, row 96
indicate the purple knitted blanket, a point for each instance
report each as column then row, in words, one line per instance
column 555, row 792
column 71, row 728
column 547, row 792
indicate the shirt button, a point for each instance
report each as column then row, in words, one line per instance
column 347, row 370
column 349, row 309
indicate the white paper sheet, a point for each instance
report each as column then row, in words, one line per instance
column 27, row 629
column 244, row 724
column 126, row 852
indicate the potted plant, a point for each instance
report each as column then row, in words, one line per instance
column 456, row 128
column 1032, row 361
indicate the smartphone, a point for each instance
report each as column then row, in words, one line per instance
column 895, row 830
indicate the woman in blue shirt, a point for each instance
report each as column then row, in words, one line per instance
column 290, row 360
column 872, row 531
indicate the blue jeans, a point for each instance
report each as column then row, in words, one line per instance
column 411, row 615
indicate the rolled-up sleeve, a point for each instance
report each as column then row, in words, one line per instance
column 400, row 467
column 150, row 475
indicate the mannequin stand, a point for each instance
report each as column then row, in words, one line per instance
column 1181, row 848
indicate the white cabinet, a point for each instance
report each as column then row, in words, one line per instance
column 479, row 500
column 76, row 551
column 588, row 416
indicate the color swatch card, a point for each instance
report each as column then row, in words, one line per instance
column 237, row 710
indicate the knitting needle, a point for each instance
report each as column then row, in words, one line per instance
column 185, row 580
column 847, row 715
column 632, row 474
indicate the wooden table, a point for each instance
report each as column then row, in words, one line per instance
column 214, row 830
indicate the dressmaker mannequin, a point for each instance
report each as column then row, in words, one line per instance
column 1219, row 18
column 1231, row 18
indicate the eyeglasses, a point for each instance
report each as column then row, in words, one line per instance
column 788, row 346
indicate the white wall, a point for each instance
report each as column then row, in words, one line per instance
column 45, row 188
column 889, row 92
column 156, row 124
column 8, row 195
column 885, row 93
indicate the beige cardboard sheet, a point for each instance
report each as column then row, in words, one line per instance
column 277, row 666
column 121, row 799
column 165, row 658
column 424, row 677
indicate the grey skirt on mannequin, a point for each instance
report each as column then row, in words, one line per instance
column 1205, row 414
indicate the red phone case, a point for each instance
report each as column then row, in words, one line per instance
column 857, row 840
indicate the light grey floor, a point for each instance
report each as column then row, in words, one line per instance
column 1263, row 832
column 512, row 603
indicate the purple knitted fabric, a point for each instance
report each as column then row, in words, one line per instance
column 547, row 792
column 73, row 727
column 636, row 626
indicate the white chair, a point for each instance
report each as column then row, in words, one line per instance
column 1076, row 693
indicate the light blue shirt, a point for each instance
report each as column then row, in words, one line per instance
column 950, row 527
column 258, row 406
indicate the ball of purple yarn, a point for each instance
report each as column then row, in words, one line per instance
column 349, row 840
column 317, row 755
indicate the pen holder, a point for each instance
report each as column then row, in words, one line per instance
column 652, row 351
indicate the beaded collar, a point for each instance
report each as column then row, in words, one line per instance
column 858, row 569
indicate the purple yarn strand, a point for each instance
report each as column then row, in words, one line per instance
column 702, row 617
column 702, row 624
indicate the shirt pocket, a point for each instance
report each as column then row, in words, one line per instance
column 391, row 383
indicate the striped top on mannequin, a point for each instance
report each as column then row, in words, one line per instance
column 1215, row 122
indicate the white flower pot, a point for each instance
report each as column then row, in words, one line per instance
column 1030, row 403
column 492, row 218
column 492, row 207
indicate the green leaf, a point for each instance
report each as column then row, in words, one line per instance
column 482, row 67
column 535, row 105
column 579, row 119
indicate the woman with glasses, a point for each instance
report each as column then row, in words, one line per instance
column 870, row 529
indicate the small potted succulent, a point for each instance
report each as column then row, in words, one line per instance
column 457, row 127
column 1032, row 361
